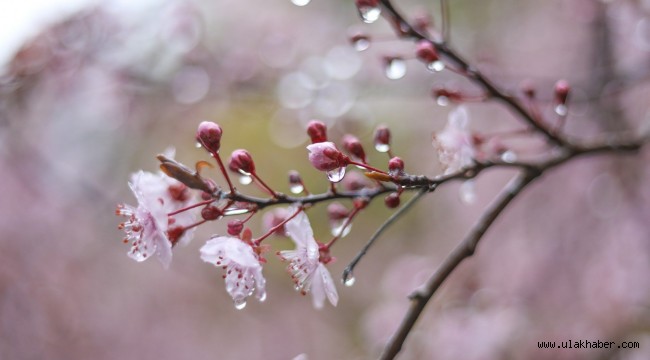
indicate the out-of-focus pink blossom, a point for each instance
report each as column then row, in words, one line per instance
column 324, row 156
column 242, row 265
column 307, row 271
column 455, row 144
column 148, row 226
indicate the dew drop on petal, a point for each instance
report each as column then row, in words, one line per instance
column 336, row 175
column 509, row 156
column 349, row 280
column 263, row 297
column 382, row 147
column 296, row 188
column 395, row 68
column 245, row 179
column 240, row 304
column 561, row 109
column 369, row 14
column 436, row 66
column 300, row 2
column 442, row 100
column 467, row 193
column 361, row 44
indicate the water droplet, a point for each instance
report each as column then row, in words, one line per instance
column 436, row 66
column 300, row 2
column 467, row 193
column 561, row 109
column 296, row 188
column 240, row 304
column 296, row 287
column 349, row 280
column 442, row 100
column 509, row 156
column 262, row 297
column 245, row 179
column 234, row 211
column 395, row 68
column 369, row 14
column 336, row 175
column 338, row 230
column 382, row 147
column 198, row 145
column 361, row 44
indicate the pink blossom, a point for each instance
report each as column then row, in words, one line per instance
column 148, row 225
column 305, row 266
column 242, row 265
column 324, row 156
column 455, row 144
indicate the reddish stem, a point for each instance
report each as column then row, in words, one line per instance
column 191, row 207
column 276, row 227
column 345, row 225
column 263, row 184
column 224, row 172
column 367, row 167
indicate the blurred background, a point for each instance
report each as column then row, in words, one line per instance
column 91, row 91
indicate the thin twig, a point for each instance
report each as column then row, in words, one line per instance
column 464, row 250
column 347, row 273
column 444, row 13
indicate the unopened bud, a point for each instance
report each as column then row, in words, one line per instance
column 354, row 147
column 528, row 88
column 235, row 227
column 325, row 156
column 241, row 161
column 360, row 202
column 392, row 200
column 426, row 52
column 336, row 211
column 382, row 139
column 211, row 213
column 209, row 135
column 317, row 131
column 395, row 165
column 562, row 89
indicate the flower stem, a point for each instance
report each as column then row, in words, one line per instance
column 276, row 227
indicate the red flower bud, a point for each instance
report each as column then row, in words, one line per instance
column 426, row 52
column 562, row 89
column 209, row 135
column 395, row 166
column 392, row 200
column 235, row 227
column 324, row 156
column 354, row 147
column 336, row 211
column 317, row 131
column 382, row 139
column 211, row 213
column 241, row 162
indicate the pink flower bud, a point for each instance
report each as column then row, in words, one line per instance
column 382, row 139
column 354, row 147
column 562, row 89
column 528, row 88
column 235, row 227
column 209, row 135
column 336, row 211
column 324, row 156
column 317, row 131
column 211, row 213
column 392, row 200
column 426, row 52
column 395, row 166
column 241, row 162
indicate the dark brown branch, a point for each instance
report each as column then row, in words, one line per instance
column 464, row 250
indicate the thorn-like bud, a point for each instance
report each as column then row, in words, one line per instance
column 395, row 166
column 241, row 161
column 382, row 139
column 562, row 89
column 211, row 213
column 235, row 227
column 392, row 200
column 317, row 131
column 209, row 135
column 426, row 52
column 352, row 144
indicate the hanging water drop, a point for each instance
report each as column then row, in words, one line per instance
column 245, row 179
column 442, row 100
column 361, row 44
column 262, row 297
column 198, row 145
column 349, row 280
column 339, row 230
column 296, row 188
column 300, row 2
column 467, row 193
column 369, row 14
column 240, row 304
column 395, row 68
column 436, row 66
column 382, row 147
column 336, row 175
column 509, row 156
column 561, row 110
column 234, row 211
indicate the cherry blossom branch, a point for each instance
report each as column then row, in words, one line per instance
column 409, row 31
column 465, row 249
